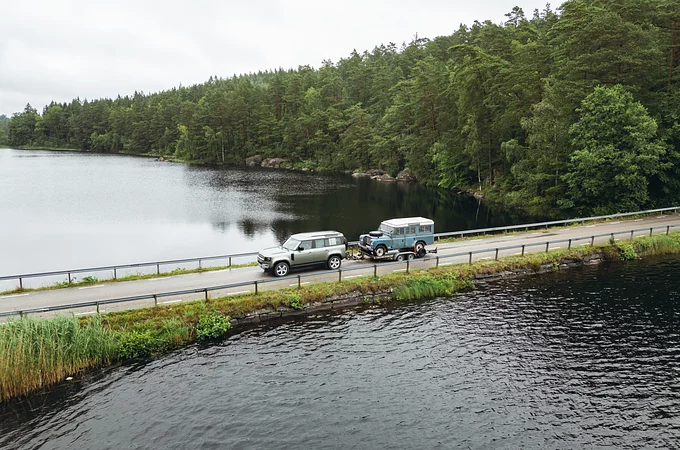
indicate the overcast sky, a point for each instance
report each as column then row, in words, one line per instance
column 59, row 50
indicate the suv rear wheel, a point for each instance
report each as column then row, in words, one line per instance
column 280, row 269
column 334, row 262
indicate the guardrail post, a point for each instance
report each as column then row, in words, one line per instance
column 299, row 283
column 375, row 271
column 21, row 314
column 206, row 294
column 339, row 275
column 631, row 234
column 668, row 229
column 592, row 241
column 569, row 247
column 408, row 263
column 199, row 264
column 114, row 273
column 470, row 260
column 155, row 300
column 69, row 278
column 21, row 283
column 97, row 307
column 256, row 286
column 650, row 231
column 547, row 244
column 496, row 254
column 437, row 265
column 522, row 249
column 230, row 261
column 158, row 269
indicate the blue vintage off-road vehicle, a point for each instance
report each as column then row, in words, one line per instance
column 398, row 239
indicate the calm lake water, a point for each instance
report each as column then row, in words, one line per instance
column 589, row 358
column 65, row 210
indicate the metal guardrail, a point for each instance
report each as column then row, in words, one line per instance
column 258, row 283
column 230, row 257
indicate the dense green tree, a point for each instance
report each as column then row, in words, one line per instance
column 617, row 151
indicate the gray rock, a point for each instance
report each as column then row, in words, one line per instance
column 254, row 161
column 406, row 176
column 273, row 163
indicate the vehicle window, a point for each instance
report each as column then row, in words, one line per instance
column 319, row 243
column 426, row 228
column 412, row 229
column 306, row 245
column 291, row 244
column 386, row 228
column 332, row 241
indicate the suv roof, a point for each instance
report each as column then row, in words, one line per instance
column 408, row 221
column 316, row 235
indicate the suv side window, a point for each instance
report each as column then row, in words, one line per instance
column 306, row 245
column 319, row 243
column 412, row 229
column 398, row 231
column 332, row 241
column 426, row 228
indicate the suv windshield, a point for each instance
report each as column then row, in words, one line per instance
column 386, row 228
column 291, row 244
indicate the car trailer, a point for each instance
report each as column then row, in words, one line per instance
column 395, row 255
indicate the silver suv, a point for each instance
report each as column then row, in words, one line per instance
column 304, row 250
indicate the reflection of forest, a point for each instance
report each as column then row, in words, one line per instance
column 284, row 203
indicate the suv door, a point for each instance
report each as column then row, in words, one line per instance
column 306, row 255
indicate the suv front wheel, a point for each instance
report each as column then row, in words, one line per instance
column 334, row 262
column 280, row 269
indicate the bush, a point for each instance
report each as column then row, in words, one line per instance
column 139, row 344
column 294, row 301
column 212, row 326
column 628, row 252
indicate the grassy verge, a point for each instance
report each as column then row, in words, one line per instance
column 89, row 280
column 35, row 354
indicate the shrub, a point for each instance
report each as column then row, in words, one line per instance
column 90, row 279
column 139, row 344
column 628, row 252
column 294, row 301
column 212, row 326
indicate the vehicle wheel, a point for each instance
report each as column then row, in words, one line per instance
column 419, row 249
column 411, row 256
column 281, row 269
column 334, row 262
column 380, row 251
column 400, row 257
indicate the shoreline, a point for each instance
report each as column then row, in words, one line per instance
column 150, row 332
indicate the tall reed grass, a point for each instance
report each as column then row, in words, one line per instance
column 38, row 353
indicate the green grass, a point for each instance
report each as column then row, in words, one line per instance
column 35, row 354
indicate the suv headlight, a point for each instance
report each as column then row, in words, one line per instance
column 267, row 258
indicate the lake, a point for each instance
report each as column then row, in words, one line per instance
column 585, row 358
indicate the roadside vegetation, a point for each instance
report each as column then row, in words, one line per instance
column 37, row 353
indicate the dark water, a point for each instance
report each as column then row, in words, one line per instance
column 62, row 210
column 584, row 359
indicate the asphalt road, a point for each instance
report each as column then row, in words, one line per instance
column 534, row 241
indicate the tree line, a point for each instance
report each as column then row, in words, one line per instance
column 577, row 108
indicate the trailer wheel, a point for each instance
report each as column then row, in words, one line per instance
column 411, row 256
column 380, row 251
column 400, row 257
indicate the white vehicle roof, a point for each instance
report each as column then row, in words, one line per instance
column 316, row 235
column 408, row 221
